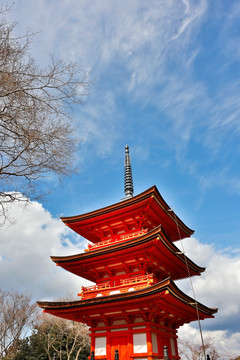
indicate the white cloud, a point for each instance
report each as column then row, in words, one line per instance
column 25, row 248
column 218, row 286
column 226, row 344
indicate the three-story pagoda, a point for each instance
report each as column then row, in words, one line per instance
column 134, row 306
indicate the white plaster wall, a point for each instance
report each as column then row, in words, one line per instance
column 139, row 327
column 119, row 322
column 139, row 343
column 173, row 346
column 154, row 343
column 138, row 319
column 100, row 346
column 120, row 329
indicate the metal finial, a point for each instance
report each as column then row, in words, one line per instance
column 128, row 180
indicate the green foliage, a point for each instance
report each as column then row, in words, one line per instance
column 31, row 349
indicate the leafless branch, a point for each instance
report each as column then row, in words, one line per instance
column 16, row 314
column 36, row 132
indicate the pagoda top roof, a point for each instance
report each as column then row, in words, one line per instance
column 165, row 295
column 147, row 210
column 154, row 244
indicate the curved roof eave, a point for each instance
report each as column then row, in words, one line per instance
column 167, row 286
column 151, row 192
column 158, row 231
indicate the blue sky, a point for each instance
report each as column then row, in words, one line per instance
column 166, row 77
column 166, row 82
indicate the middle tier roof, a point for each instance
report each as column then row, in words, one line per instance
column 152, row 252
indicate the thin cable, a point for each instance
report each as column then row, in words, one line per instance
column 189, row 276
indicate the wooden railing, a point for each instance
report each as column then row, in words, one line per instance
column 104, row 289
column 137, row 279
column 116, row 239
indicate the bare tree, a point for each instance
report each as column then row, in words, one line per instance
column 16, row 314
column 190, row 351
column 64, row 338
column 36, row 132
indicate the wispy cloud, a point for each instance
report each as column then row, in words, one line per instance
column 177, row 58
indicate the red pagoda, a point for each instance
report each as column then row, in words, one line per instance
column 134, row 306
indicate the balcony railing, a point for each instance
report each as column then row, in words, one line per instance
column 116, row 239
column 104, row 289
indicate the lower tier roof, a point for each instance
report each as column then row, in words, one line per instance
column 161, row 302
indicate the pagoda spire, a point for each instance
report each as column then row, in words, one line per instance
column 128, row 180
